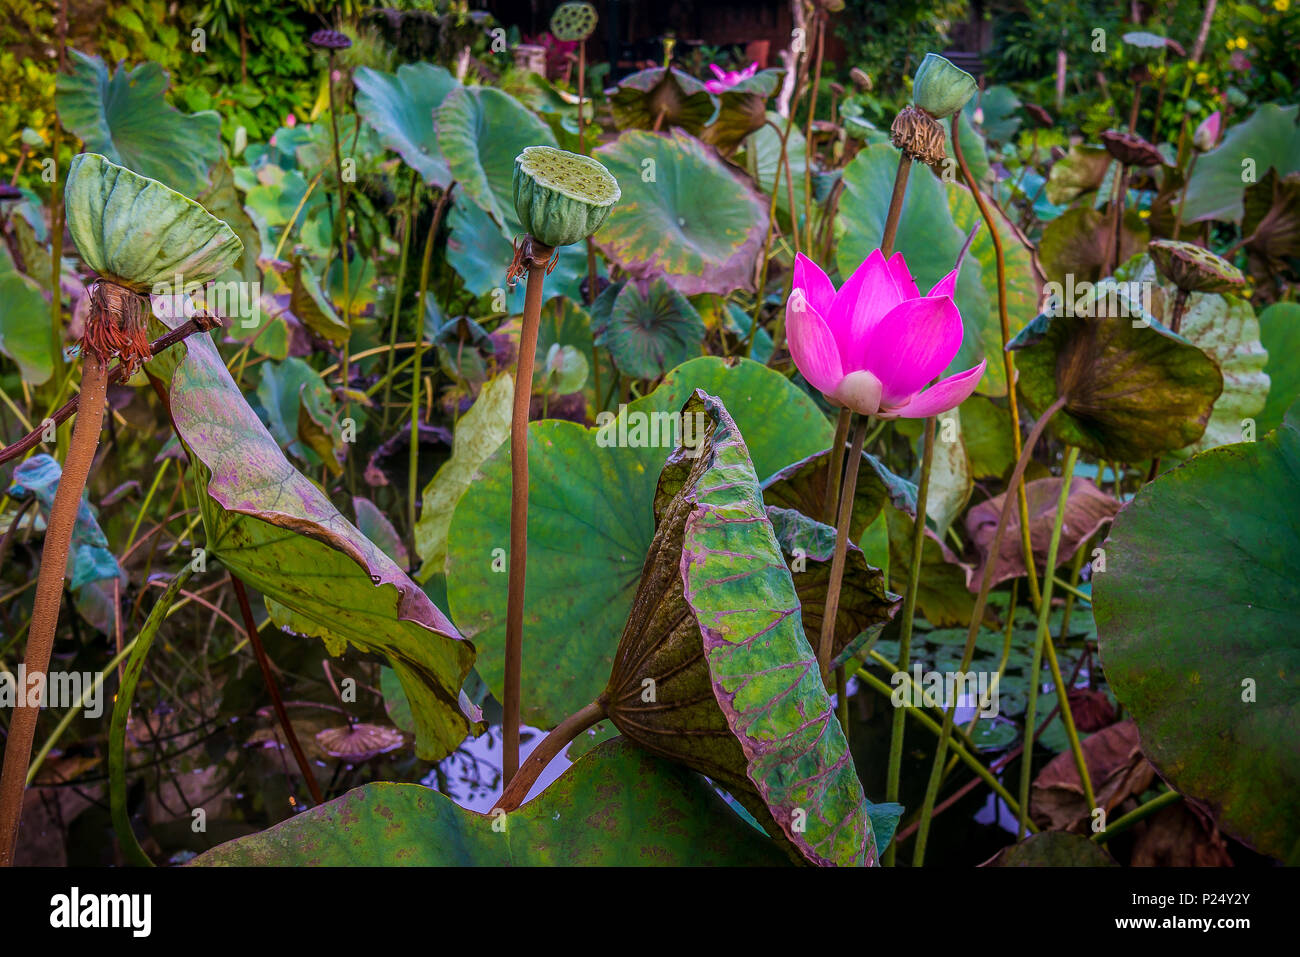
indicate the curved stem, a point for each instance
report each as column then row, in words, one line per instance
column 567, row 730
column 808, row 132
column 830, row 505
column 1142, row 811
column 977, row 616
column 1008, row 358
column 126, row 838
column 343, row 219
column 896, row 730
column 264, row 663
column 519, row 508
column 49, row 591
column 895, row 205
column 832, row 608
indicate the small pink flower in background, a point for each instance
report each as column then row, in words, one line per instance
column 291, row 121
column 1207, row 134
column 726, row 79
column 873, row 345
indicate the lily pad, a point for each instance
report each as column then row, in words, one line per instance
column 90, row 559
column 616, row 806
column 125, row 117
column 651, row 329
column 271, row 526
column 1195, row 615
column 1133, row 389
column 399, row 107
column 1079, row 171
column 590, row 523
column 684, row 214
column 713, row 668
column 742, row 110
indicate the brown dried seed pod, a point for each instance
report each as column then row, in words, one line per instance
column 1130, row 149
column 358, row 742
column 117, row 325
column 919, row 136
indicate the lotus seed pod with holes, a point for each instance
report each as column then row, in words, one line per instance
column 573, row 22
column 1193, row 268
column 138, row 233
column 561, row 197
column 940, row 88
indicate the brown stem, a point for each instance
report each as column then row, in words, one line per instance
column 832, row 608
column 1180, row 307
column 49, row 589
column 567, row 730
column 835, row 469
column 1113, row 262
column 1008, row 358
column 808, row 133
column 264, row 662
column 538, row 257
column 895, row 205
column 199, row 323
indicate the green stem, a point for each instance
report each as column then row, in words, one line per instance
column 977, row 616
column 896, row 731
column 767, row 246
column 1142, row 811
column 342, row 225
column 408, row 225
column 130, row 845
column 1044, row 640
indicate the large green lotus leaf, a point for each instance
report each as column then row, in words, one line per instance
column 1279, row 332
column 277, row 531
column 685, row 214
column 651, row 329
column 138, row 233
column 24, row 322
column 742, row 109
column 1133, row 389
column 480, row 250
column 1079, row 171
column 590, row 522
column 671, row 97
column 942, row 594
column 935, row 221
column 479, row 432
column 1269, row 139
column 480, row 131
column 1053, row 849
column 1000, row 106
column 801, row 486
column 714, row 669
column 617, row 806
column 1197, row 626
column 866, row 604
column 125, row 117
column 1225, row 328
column 399, row 107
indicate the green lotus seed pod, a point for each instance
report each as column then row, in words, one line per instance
column 574, row 21
column 562, row 197
column 940, row 88
column 138, row 233
column 1194, row 268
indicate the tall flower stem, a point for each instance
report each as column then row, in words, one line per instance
column 830, row 508
column 413, row 468
column 537, row 258
column 1008, row 358
column 893, row 773
column 895, row 205
column 820, row 17
column 49, row 593
column 1044, row 641
column 977, row 616
column 126, row 838
column 847, row 493
column 767, row 245
column 343, row 219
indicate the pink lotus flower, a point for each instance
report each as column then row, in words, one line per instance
column 726, row 79
column 874, row 344
column 291, row 121
column 1207, row 134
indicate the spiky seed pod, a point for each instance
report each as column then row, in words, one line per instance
column 1194, row 268
column 918, row 135
column 562, row 197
